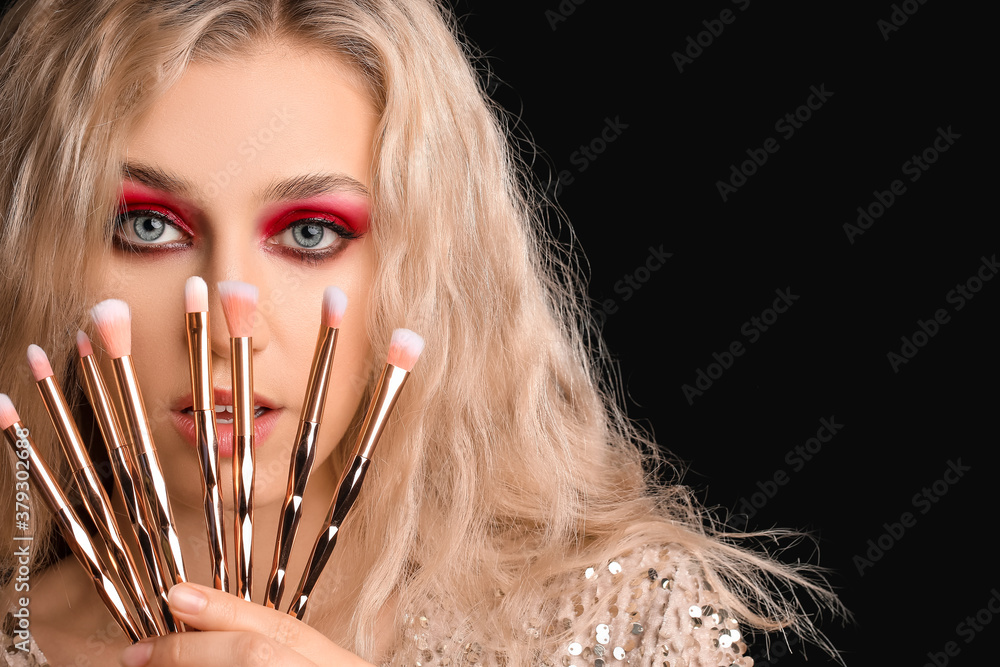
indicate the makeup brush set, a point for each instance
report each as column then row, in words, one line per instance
column 141, row 482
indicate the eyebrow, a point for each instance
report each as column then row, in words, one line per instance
column 296, row 187
column 303, row 187
column 155, row 178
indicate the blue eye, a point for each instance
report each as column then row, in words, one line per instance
column 313, row 237
column 148, row 228
column 142, row 228
column 309, row 235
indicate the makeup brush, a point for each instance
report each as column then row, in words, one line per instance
column 73, row 530
column 114, row 325
column 95, row 499
column 404, row 349
column 239, row 305
column 126, row 474
column 206, row 431
column 304, row 447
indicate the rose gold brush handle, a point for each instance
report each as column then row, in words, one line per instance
column 141, row 517
column 151, row 479
column 207, row 437
column 243, row 462
column 125, row 472
column 208, row 453
column 387, row 391
column 98, row 505
column 303, row 455
column 347, row 493
column 96, row 501
column 72, row 529
column 85, row 551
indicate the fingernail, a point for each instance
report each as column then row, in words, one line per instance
column 137, row 655
column 186, row 600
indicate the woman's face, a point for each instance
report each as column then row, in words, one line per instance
column 257, row 170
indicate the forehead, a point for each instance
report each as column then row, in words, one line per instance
column 270, row 114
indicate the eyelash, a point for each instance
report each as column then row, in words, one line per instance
column 307, row 256
column 316, row 256
column 123, row 218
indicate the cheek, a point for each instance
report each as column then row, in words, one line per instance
column 161, row 361
column 156, row 303
column 351, row 370
column 352, row 366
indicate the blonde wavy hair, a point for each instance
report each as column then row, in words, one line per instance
column 510, row 460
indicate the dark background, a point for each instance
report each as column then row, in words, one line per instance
column 917, row 591
column 565, row 68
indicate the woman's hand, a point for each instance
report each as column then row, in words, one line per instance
column 235, row 632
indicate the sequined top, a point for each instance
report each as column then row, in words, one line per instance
column 651, row 607
column 19, row 651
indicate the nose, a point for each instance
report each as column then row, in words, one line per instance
column 231, row 265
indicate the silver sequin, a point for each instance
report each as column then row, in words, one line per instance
column 595, row 654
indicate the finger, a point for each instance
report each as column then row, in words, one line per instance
column 191, row 649
column 208, row 609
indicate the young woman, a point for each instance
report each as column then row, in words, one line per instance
column 509, row 518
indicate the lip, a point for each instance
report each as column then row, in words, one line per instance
column 262, row 426
column 222, row 397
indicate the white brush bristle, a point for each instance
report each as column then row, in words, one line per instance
column 8, row 415
column 39, row 362
column 114, row 325
column 195, row 295
column 334, row 305
column 404, row 348
column 83, row 344
column 239, row 304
